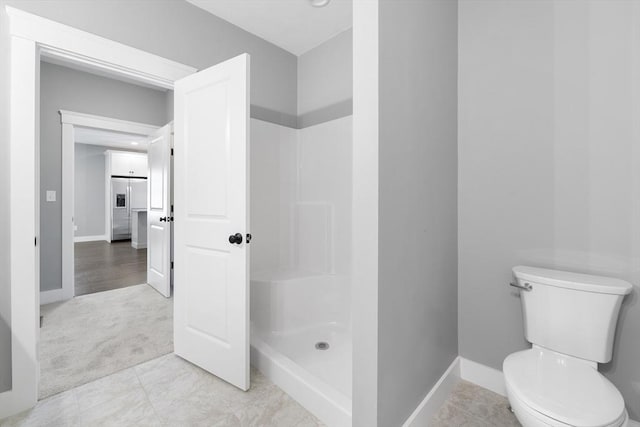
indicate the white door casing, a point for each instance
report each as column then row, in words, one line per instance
column 159, row 211
column 211, row 292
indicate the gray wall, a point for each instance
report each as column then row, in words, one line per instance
column 325, row 81
column 417, row 336
column 89, row 211
column 549, row 160
column 182, row 32
column 5, row 279
column 65, row 89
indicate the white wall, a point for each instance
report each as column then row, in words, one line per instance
column 5, row 284
column 325, row 81
column 549, row 158
column 417, row 266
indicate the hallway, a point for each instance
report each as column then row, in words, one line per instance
column 103, row 266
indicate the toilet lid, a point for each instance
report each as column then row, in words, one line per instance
column 562, row 388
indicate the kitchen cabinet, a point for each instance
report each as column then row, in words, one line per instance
column 123, row 163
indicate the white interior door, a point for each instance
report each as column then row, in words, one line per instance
column 159, row 213
column 211, row 305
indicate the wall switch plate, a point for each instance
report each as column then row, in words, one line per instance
column 75, row 228
column 51, row 195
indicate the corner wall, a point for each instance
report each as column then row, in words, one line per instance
column 417, row 264
column 325, row 81
column 549, row 140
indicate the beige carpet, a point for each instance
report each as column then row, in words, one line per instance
column 92, row 336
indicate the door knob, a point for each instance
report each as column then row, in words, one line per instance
column 163, row 219
column 235, row 238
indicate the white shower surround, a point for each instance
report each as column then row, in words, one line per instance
column 301, row 262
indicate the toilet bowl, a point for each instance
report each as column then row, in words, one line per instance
column 570, row 320
column 546, row 388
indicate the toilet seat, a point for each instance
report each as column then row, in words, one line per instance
column 560, row 388
column 529, row 417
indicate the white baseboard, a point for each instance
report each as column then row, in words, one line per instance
column 89, row 238
column 484, row 376
column 54, row 295
column 12, row 403
column 436, row 397
column 136, row 245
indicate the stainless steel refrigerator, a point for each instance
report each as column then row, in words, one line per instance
column 127, row 194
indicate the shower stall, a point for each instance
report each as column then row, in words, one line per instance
column 301, row 263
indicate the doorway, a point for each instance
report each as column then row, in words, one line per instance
column 220, row 135
column 211, row 232
column 110, row 210
column 107, row 318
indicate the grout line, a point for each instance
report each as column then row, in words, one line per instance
column 146, row 394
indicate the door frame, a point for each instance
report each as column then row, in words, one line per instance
column 69, row 120
column 30, row 38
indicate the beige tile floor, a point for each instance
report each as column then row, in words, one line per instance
column 92, row 336
column 472, row 406
column 167, row 392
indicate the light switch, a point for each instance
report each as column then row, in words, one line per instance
column 51, row 195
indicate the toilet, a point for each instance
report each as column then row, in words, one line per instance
column 570, row 320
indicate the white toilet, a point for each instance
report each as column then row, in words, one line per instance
column 570, row 319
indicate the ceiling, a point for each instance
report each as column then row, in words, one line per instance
column 110, row 139
column 293, row 25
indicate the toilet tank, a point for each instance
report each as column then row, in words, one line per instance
column 571, row 313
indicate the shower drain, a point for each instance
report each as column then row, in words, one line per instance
column 322, row 345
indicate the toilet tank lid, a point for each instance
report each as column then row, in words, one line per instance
column 577, row 281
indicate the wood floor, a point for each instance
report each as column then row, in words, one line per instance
column 102, row 266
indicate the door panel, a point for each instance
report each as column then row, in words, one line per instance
column 211, row 310
column 159, row 211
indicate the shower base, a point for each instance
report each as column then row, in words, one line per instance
column 319, row 379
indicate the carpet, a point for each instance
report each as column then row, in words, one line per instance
column 95, row 335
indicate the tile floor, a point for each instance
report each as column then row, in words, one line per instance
column 167, row 391
column 92, row 336
column 472, row 406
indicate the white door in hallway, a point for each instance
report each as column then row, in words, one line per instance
column 159, row 213
column 211, row 288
